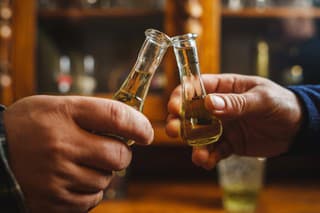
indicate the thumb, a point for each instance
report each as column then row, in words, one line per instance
column 231, row 105
column 111, row 117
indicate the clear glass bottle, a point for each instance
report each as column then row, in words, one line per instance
column 134, row 91
column 135, row 88
column 198, row 127
column 64, row 78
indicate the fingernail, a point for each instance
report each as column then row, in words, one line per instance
column 217, row 102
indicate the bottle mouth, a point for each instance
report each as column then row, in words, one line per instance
column 158, row 37
column 183, row 38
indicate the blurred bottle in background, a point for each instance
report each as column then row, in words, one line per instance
column 90, row 3
column 316, row 3
column 47, row 4
column 54, row 4
column 302, row 53
column 85, row 82
column 292, row 75
column 64, row 78
column 240, row 4
column 293, row 3
column 234, row 4
column 262, row 61
column 262, row 3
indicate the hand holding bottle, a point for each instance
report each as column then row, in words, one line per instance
column 260, row 118
column 60, row 165
column 198, row 126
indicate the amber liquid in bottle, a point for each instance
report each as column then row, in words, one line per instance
column 198, row 126
column 133, row 92
column 134, row 89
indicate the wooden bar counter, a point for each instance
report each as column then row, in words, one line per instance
column 196, row 197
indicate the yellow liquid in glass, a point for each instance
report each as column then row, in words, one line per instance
column 240, row 200
column 133, row 93
column 199, row 127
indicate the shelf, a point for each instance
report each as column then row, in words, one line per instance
column 76, row 13
column 206, row 197
column 281, row 12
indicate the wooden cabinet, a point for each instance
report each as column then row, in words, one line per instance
column 278, row 42
column 68, row 24
column 228, row 41
column 23, row 53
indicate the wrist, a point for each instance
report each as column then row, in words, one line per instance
column 11, row 197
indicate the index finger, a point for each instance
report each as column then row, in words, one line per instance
column 111, row 117
column 228, row 83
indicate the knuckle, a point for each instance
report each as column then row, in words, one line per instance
column 174, row 105
column 267, row 97
column 56, row 148
column 65, row 201
column 172, row 128
column 123, row 156
column 62, row 197
column 238, row 102
column 62, row 105
column 242, row 103
column 96, row 200
column 147, row 133
column 88, row 203
column 73, row 204
column 118, row 115
column 104, row 182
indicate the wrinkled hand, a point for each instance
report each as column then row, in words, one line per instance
column 260, row 118
column 60, row 165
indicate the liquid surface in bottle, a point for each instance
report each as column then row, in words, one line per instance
column 199, row 127
column 129, row 99
column 134, row 89
column 133, row 93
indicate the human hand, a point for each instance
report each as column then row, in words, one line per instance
column 260, row 118
column 60, row 165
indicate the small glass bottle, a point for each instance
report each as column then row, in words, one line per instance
column 262, row 61
column 198, row 126
column 85, row 80
column 64, row 78
column 135, row 88
column 134, row 91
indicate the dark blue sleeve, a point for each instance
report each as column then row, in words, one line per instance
column 308, row 139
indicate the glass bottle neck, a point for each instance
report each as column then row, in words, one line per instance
column 188, row 63
column 150, row 55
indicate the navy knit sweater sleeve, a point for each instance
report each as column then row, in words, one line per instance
column 308, row 140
